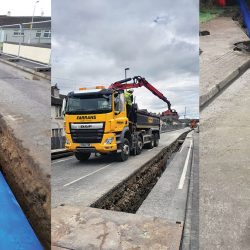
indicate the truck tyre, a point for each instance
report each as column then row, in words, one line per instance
column 123, row 156
column 150, row 145
column 82, row 156
column 139, row 146
column 156, row 141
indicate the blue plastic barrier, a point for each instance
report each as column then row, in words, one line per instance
column 15, row 231
column 246, row 14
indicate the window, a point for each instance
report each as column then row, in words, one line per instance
column 17, row 33
column 119, row 102
column 57, row 132
column 58, row 111
column 38, row 33
column 47, row 34
column 89, row 103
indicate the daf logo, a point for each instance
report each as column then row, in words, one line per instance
column 86, row 117
column 86, row 126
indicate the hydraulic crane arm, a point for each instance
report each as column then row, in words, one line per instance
column 139, row 81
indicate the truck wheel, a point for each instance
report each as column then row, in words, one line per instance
column 123, row 156
column 82, row 156
column 139, row 146
column 156, row 141
column 151, row 144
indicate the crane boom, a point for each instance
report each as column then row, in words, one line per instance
column 139, row 81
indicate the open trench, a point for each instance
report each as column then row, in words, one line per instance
column 130, row 194
column 30, row 187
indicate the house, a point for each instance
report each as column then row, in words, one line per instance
column 39, row 34
column 57, row 120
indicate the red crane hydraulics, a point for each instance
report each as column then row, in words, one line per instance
column 139, row 81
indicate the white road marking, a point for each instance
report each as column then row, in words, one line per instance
column 150, row 149
column 72, row 182
column 54, row 162
column 184, row 171
column 182, row 147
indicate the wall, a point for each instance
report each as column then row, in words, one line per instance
column 29, row 52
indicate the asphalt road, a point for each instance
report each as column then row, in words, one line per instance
column 74, row 182
column 225, row 169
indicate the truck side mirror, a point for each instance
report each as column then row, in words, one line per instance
column 63, row 107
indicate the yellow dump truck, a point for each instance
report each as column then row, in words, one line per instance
column 96, row 121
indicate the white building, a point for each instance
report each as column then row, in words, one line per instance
column 38, row 33
column 57, row 120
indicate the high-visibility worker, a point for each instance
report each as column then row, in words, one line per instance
column 129, row 100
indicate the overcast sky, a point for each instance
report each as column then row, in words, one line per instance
column 25, row 7
column 93, row 41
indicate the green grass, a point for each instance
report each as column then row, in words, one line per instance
column 209, row 14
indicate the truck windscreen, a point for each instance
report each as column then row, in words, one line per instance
column 86, row 104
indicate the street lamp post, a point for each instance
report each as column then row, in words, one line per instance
column 126, row 72
column 31, row 26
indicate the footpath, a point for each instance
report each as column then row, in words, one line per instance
column 224, row 136
column 219, row 63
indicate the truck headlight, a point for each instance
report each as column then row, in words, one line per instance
column 109, row 140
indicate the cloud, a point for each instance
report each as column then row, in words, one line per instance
column 25, row 8
column 93, row 41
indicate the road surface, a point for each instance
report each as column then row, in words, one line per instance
column 74, row 182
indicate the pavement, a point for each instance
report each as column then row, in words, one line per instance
column 74, row 182
column 219, row 63
column 25, row 144
column 80, row 227
column 26, row 65
column 225, row 169
column 169, row 196
column 190, row 237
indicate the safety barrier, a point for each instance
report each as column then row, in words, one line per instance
column 246, row 14
column 15, row 230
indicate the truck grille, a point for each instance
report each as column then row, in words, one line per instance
column 87, row 135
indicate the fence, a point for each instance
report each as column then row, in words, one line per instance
column 57, row 142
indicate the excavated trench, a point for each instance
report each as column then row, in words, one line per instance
column 129, row 195
column 31, row 189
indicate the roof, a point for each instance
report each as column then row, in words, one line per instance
column 90, row 92
column 7, row 20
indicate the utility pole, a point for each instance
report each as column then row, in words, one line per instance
column 126, row 72
column 185, row 112
column 31, row 26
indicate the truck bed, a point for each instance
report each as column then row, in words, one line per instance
column 145, row 119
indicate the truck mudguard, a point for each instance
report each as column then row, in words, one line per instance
column 126, row 129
